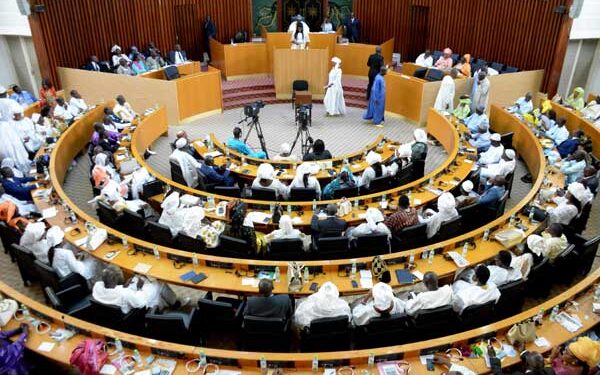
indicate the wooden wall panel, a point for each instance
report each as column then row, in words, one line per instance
column 69, row 31
column 522, row 33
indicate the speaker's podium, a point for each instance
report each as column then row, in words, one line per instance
column 310, row 65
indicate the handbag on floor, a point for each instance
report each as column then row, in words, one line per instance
column 89, row 356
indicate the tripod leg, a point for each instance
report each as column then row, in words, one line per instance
column 296, row 140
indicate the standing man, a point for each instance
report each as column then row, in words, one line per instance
column 352, row 28
column 482, row 91
column 375, row 63
column 376, row 109
column 445, row 97
column 210, row 31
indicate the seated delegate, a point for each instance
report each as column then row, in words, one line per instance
column 268, row 305
column 266, row 179
column 319, row 152
column 405, row 216
column 327, row 224
column 433, row 298
column 236, row 143
column 477, row 292
column 325, row 303
column 380, row 302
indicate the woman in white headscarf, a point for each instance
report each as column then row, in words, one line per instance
column 285, row 153
column 334, row 97
column 304, row 178
column 286, row 231
column 374, row 225
column 36, row 239
column 265, row 178
column 446, row 211
column 374, row 170
column 445, row 97
column 325, row 303
column 189, row 166
column 10, row 163
column 171, row 215
column 379, row 302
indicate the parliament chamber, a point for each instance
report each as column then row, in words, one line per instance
column 216, row 197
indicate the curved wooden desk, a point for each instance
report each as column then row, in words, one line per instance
column 248, row 362
column 245, row 166
column 222, row 271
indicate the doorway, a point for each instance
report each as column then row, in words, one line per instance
column 419, row 31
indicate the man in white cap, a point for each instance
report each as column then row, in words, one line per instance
column 26, row 130
column 504, row 167
column 494, row 153
column 334, row 97
column 285, row 153
column 467, row 196
column 566, row 204
column 117, row 55
column 446, row 211
column 325, row 303
column 379, row 302
column 374, row 170
column 445, row 97
column 189, row 166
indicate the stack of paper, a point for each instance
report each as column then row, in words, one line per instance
column 366, row 279
column 458, row 259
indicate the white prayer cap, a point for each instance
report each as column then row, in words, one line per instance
column 171, row 203
column 180, row 143
column 446, row 201
column 100, row 159
column 114, row 48
column 536, row 244
column 420, row 135
column 326, row 293
column 33, row 233
column 285, row 224
column 55, row 235
column 373, row 216
column 510, row 154
column 373, row 157
column 2, row 90
column 382, row 296
column 467, row 186
column 286, row 148
column 495, row 137
column 265, row 171
column 336, row 60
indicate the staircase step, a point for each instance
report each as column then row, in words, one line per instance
column 268, row 92
column 227, row 91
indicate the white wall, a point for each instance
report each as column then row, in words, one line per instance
column 12, row 22
column 587, row 25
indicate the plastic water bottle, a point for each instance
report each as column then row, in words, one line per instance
column 512, row 219
column 125, row 243
column 156, row 253
column 465, row 249
column 486, row 234
column 227, row 151
column 305, row 276
column 353, row 271
column 371, row 360
column 539, row 317
column 118, row 345
column 356, row 203
column 195, row 260
column 263, row 365
column 314, row 206
column 411, row 258
column 531, row 214
column 554, row 313
column 202, row 358
column 431, row 255
column 315, row 364
column 289, row 209
column 137, row 357
column 277, row 274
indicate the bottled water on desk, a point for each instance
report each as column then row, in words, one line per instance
column 554, row 313
column 305, row 276
column 353, row 271
column 277, row 274
column 465, row 249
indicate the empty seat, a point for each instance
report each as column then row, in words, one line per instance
column 326, row 334
column 410, row 237
column 470, row 217
column 133, row 224
column 286, row 249
column 177, row 173
column 332, row 247
column 73, row 301
column 404, row 176
column 436, row 322
column 512, row 296
column 159, row 234
column 264, row 194
column 48, row 277
column 380, row 184
column 111, row 316
column 25, row 260
column 565, row 264
column 434, row 75
column 233, row 247
column 372, row 244
column 477, row 315
column 187, row 243
column 347, row 192
column 385, row 331
column 539, row 281
column 265, row 334
column 303, row 194
column 448, row 229
column 108, row 215
column 228, row 191
column 171, row 326
column 153, row 188
column 586, row 254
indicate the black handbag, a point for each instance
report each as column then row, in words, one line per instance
column 539, row 215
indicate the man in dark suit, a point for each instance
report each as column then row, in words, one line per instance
column 16, row 186
column 268, row 305
column 331, row 226
column 210, row 31
column 178, row 56
column 352, row 28
column 95, row 65
column 216, row 175
column 532, row 362
column 374, row 63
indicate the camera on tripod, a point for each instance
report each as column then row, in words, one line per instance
column 253, row 109
column 303, row 115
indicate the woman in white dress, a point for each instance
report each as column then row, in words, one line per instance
column 300, row 38
column 334, row 97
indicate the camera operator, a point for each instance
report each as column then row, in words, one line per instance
column 319, row 152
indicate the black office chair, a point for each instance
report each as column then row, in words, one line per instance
column 108, row 215
column 303, row 194
column 418, row 169
column 492, row 213
column 177, row 173
column 586, row 254
column 159, row 234
column 477, row 315
column 385, row 331
column 436, row 322
column 510, row 178
column 265, row 334
column 187, row 243
column 203, row 183
column 49, row 277
column 171, row 326
column 410, row 237
column 434, row 75
column 371, row 245
column 580, row 223
column 73, row 301
column 220, row 313
column 539, row 281
column 153, row 188
column 455, row 58
column 326, row 334
column 512, row 297
column 380, row 184
column 9, row 236
column 112, row 317
column 233, row 247
column 404, row 176
column 332, row 247
column 565, row 266
column 228, row 191
column 509, row 69
column 497, row 66
column 133, row 223
column 347, row 192
column 286, row 249
column 264, row 194
column 507, row 140
column 298, row 85
column 448, row 229
column 25, row 260
column 470, row 217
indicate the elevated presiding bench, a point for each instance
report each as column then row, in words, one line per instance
column 226, row 275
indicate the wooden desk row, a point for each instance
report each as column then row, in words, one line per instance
column 249, row 362
column 575, row 122
column 225, row 274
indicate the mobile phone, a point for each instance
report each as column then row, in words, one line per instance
column 430, row 364
column 198, row 278
column 354, row 284
column 187, row 276
column 314, row 286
